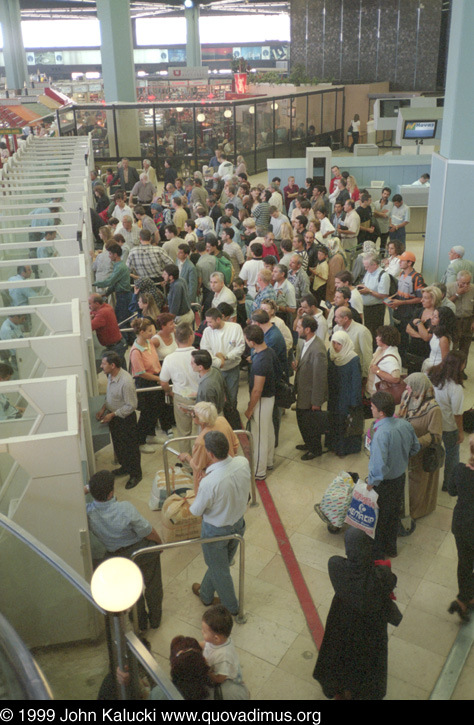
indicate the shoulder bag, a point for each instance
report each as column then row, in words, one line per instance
column 433, row 456
column 396, row 390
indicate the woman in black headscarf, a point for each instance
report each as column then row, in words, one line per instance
column 352, row 661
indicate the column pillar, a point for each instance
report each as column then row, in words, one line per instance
column 193, row 41
column 118, row 72
column 449, row 220
column 13, row 49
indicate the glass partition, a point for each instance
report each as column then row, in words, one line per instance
column 245, row 135
column 283, row 114
column 264, row 132
column 189, row 132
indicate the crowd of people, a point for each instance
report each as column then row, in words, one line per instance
column 238, row 294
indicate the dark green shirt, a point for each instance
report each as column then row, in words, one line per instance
column 118, row 281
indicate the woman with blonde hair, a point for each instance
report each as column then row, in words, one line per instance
column 461, row 485
column 419, row 407
column 241, row 167
column 205, row 415
column 148, row 306
column 286, row 231
column 352, row 188
column 419, row 330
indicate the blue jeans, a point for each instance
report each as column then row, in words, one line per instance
column 451, row 446
column 231, row 379
column 218, row 557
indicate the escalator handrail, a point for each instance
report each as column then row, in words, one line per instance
column 22, row 663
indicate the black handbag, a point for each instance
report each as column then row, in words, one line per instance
column 433, row 456
column 285, row 394
column 468, row 420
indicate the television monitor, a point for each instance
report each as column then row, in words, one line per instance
column 419, row 130
column 319, row 170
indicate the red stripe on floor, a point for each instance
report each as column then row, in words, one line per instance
column 302, row 592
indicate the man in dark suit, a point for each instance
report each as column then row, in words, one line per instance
column 311, row 388
column 127, row 176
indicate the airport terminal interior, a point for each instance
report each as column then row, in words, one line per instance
column 331, row 86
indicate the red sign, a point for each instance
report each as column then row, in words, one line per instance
column 240, row 80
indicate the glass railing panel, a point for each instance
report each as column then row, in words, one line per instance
column 58, row 624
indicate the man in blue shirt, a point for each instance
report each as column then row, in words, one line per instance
column 122, row 530
column 21, row 295
column 393, row 442
column 221, row 500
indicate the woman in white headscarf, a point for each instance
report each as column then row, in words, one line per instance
column 346, row 418
column 336, row 264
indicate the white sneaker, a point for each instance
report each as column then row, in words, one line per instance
column 170, row 433
column 160, row 436
column 152, row 439
column 147, row 449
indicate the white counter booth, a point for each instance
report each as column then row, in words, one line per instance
column 60, row 280
column 57, row 340
column 42, row 489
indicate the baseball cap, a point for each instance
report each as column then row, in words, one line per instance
column 408, row 257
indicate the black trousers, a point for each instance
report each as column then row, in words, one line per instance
column 150, row 567
column 390, row 503
column 373, row 318
column 465, row 549
column 310, row 423
column 124, row 435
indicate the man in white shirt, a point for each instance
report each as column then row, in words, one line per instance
column 221, row 500
column 350, row 228
column 129, row 231
column 399, row 220
column 225, row 343
column 121, row 208
column 360, row 336
column 309, row 306
column 276, row 197
column 177, row 367
column 374, row 289
column 424, row 180
column 344, row 279
column 222, row 293
column 252, row 267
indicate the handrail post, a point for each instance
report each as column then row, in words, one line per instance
column 156, row 548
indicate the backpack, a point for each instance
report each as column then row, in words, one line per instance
column 393, row 289
column 224, row 265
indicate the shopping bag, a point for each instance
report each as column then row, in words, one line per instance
column 180, row 483
column 363, row 510
column 337, row 499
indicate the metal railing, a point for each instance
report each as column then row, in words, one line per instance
column 240, row 618
column 135, row 647
column 167, row 446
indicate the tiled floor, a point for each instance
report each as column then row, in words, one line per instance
column 275, row 646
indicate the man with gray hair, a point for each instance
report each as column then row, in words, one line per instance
column 222, row 293
column 143, row 190
column 461, row 293
column 276, row 198
column 457, row 264
column 150, row 171
column 374, row 289
column 129, row 231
